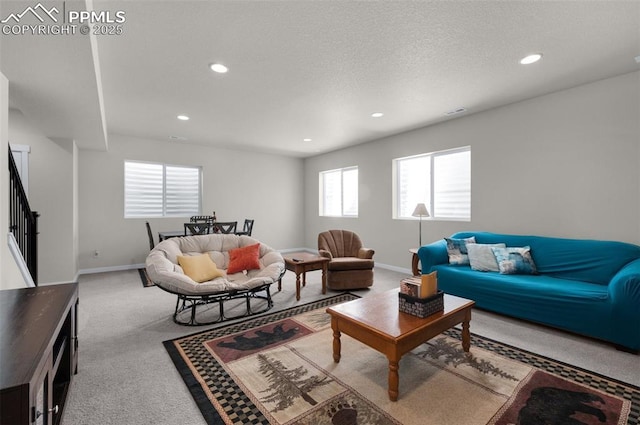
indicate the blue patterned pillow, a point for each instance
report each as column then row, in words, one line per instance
column 457, row 250
column 512, row 260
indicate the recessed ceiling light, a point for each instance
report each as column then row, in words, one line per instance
column 306, row 140
column 219, row 68
column 527, row 60
column 183, row 117
column 377, row 114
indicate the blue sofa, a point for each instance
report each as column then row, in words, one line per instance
column 584, row 286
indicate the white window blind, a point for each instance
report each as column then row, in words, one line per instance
column 339, row 192
column 452, row 185
column 440, row 180
column 159, row 190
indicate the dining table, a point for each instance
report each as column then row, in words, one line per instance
column 170, row 234
column 166, row 234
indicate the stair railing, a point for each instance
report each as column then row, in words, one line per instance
column 23, row 222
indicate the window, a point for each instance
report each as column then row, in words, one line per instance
column 339, row 192
column 160, row 190
column 441, row 180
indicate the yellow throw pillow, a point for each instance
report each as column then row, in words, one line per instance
column 200, row 268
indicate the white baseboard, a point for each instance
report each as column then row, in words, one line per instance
column 282, row 251
column 111, row 269
column 288, row 250
column 394, row 268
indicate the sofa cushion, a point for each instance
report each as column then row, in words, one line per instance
column 245, row 258
column 200, row 268
column 514, row 260
column 481, row 257
column 457, row 250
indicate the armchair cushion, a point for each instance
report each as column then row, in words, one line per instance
column 350, row 263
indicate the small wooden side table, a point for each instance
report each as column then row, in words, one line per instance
column 302, row 262
column 414, row 262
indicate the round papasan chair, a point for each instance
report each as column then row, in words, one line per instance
column 213, row 269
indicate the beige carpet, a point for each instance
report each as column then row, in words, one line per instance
column 279, row 369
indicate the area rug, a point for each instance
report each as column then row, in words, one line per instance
column 279, row 369
column 146, row 282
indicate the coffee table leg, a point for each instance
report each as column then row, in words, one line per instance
column 297, row 286
column 466, row 335
column 393, row 379
column 336, row 340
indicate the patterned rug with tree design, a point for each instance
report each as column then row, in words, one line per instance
column 279, row 369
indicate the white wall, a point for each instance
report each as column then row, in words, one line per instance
column 51, row 194
column 10, row 276
column 565, row 164
column 236, row 184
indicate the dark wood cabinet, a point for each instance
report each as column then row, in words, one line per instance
column 38, row 352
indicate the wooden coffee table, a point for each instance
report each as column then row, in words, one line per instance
column 376, row 321
column 302, row 262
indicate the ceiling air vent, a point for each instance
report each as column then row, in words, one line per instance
column 456, row 111
column 178, row 138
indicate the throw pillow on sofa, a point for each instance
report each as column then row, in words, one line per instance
column 245, row 258
column 200, row 268
column 481, row 256
column 515, row 260
column 457, row 250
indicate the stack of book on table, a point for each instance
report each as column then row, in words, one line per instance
column 419, row 295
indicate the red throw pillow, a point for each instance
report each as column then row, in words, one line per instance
column 245, row 258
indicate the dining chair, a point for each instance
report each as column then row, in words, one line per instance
column 152, row 244
column 224, row 226
column 247, row 228
column 197, row 228
column 201, row 218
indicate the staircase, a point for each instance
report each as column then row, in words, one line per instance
column 23, row 222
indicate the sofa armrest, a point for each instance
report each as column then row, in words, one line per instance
column 624, row 287
column 325, row 253
column 624, row 292
column 433, row 254
column 366, row 253
column 161, row 269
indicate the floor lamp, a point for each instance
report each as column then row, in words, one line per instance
column 420, row 211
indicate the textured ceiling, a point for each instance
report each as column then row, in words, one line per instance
column 318, row 69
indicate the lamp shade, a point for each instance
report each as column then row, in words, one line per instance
column 420, row 211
